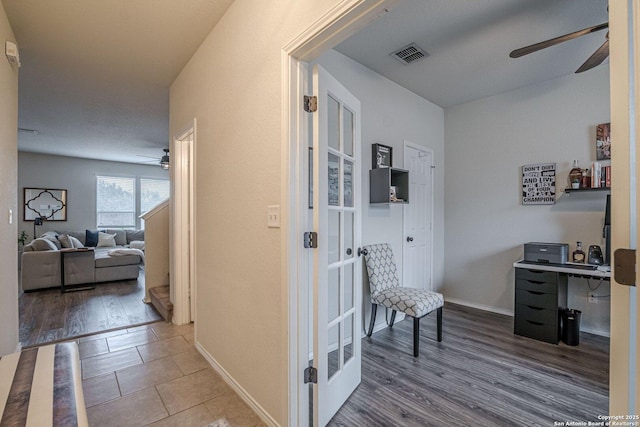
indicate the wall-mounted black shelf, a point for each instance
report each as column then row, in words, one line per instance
column 380, row 182
column 586, row 190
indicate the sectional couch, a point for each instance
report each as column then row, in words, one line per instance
column 41, row 259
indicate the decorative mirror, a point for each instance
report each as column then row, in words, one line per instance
column 45, row 203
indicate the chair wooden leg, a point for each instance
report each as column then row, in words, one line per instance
column 393, row 318
column 416, row 336
column 374, row 309
column 439, row 321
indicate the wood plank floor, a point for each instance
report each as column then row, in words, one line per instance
column 479, row 375
column 49, row 315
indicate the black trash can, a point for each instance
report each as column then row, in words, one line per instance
column 570, row 326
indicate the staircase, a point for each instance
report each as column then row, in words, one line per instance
column 160, row 300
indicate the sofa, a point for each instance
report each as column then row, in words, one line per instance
column 113, row 255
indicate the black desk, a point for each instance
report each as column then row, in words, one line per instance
column 540, row 289
column 569, row 269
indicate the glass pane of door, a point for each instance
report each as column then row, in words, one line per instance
column 334, row 123
column 334, row 180
column 348, row 132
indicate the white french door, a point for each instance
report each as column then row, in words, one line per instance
column 418, row 218
column 337, row 274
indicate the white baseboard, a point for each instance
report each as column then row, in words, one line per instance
column 596, row 332
column 480, row 306
column 257, row 408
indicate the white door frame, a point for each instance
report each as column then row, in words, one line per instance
column 624, row 366
column 182, row 235
column 336, row 25
column 422, row 148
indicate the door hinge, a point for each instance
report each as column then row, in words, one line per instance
column 624, row 266
column 311, row 375
column 311, row 239
column 310, row 104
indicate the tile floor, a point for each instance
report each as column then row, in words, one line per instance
column 153, row 375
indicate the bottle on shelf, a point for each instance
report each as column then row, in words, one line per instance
column 585, row 181
column 578, row 254
column 575, row 175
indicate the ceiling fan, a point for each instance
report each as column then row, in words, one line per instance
column 596, row 59
column 162, row 161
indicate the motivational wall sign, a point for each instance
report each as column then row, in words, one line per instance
column 539, row 184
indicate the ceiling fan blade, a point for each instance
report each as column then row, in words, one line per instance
column 595, row 59
column 551, row 42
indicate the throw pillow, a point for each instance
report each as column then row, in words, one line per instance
column 52, row 236
column 91, row 238
column 65, row 241
column 134, row 235
column 41, row 244
column 121, row 236
column 106, row 239
column 76, row 243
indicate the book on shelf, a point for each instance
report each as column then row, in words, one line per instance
column 600, row 175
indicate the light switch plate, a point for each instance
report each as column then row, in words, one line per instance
column 273, row 216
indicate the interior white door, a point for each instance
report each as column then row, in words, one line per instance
column 337, row 267
column 418, row 218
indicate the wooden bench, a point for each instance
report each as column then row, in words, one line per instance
column 42, row 387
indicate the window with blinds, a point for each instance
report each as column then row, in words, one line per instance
column 120, row 200
column 115, row 202
column 152, row 193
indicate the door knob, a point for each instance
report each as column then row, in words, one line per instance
column 409, row 239
column 362, row 252
column 349, row 251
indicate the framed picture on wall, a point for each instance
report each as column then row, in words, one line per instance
column 45, row 203
column 381, row 156
column 603, row 141
column 539, row 184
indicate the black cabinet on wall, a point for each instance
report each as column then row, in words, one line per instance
column 382, row 179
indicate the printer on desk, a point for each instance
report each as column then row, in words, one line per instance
column 554, row 253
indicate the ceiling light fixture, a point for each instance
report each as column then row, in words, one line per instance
column 31, row 131
column 164, row 161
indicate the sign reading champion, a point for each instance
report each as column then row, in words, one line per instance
column 539, row 184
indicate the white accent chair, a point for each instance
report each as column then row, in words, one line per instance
column 386, row 291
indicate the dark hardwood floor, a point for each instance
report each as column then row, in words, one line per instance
column 49, row 315
column 479, row 375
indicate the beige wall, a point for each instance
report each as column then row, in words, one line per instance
column 232, row 85
column 8, row 194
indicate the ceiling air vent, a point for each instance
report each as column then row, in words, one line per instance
column 409, row 54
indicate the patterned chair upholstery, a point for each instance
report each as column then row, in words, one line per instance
column 387, row 292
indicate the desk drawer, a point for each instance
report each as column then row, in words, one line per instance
column 536, row 275
column 535, row 286
column 536, row 299
column 537, row 330
column 545, row 316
